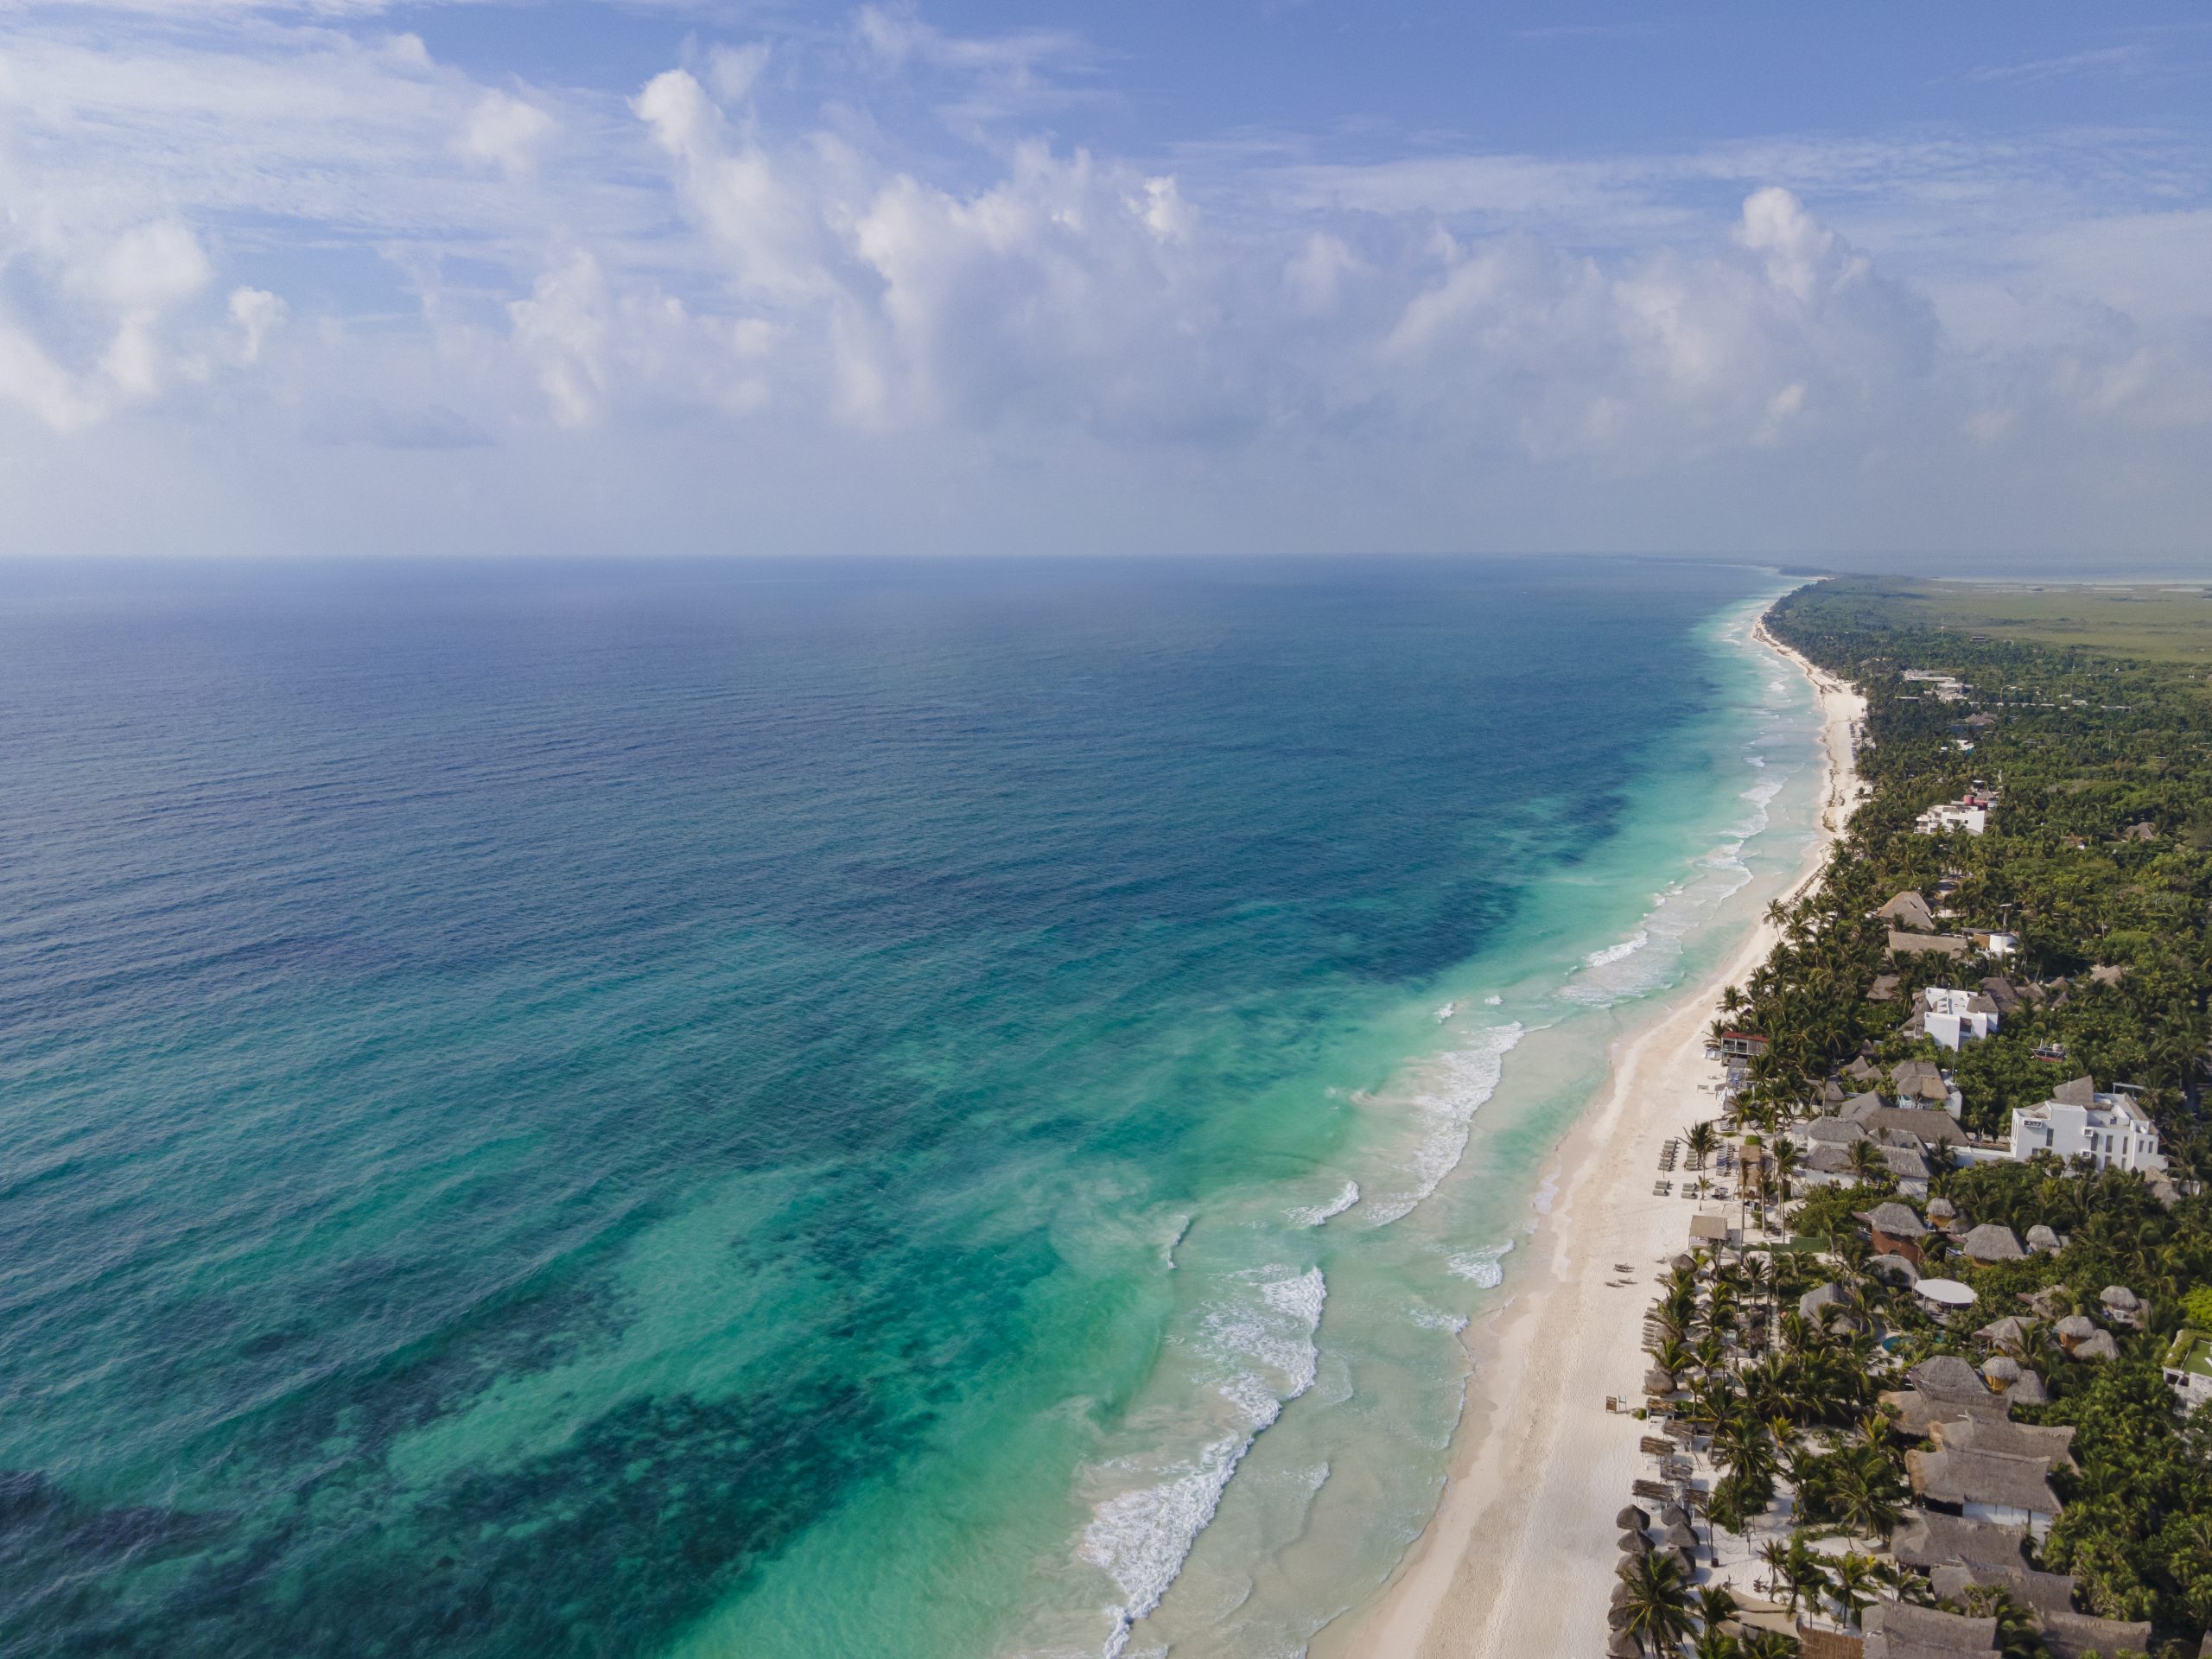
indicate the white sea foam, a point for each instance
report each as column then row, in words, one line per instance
column 1612, row 953
column 1435, row 1318
column 1649, row 959
column 1142, row 1538
column 1335, row 1206
column 1493, row 999
column 1467, row 1079
column 1485, row 1269
column 1641, row 964
column 1446, row 1012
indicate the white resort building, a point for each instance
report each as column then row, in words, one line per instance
column 1954, row 1018
column 1969, row 814
column 2078, row 1120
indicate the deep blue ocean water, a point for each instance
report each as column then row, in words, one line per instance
column 564, row 1110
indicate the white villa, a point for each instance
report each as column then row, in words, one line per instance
column 2110, row 1129
column 1948, row 688
column 1954, row 1018
column 1968, row 815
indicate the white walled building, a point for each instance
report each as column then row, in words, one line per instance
column 1954, row 1017
column 1967, row 814
column 2110, row 1129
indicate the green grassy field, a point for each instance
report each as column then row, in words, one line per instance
column 2165, row 621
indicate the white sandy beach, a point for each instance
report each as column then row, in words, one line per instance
column 1519, row 1559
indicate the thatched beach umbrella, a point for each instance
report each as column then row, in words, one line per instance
column 1634, row 1543
column 1680, row 1538
column 1631, row 1519
column 1623, row 1646
column 1658, row 1382
column 1674, row 1515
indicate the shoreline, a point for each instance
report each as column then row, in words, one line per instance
column 1518, row 1557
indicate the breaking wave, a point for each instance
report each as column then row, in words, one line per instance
column 1469, row 1077
column 1267, row 1354
column 1317, row 1214
column 1485, row 1269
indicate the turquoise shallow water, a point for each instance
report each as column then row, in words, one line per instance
column 780, row 1110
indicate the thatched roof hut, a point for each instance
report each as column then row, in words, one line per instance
column 2101, row 1346
column 1992, row 1242
column 1896, row 1269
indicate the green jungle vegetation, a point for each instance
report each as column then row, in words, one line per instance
column 2082, row 715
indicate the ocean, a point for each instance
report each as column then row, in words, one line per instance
column 790, row 1110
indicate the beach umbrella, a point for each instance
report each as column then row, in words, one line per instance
column 1623, row 1646
column 1658, row 1382
column 1631, row 1519
column 1634, row 1543
column 1623, row 1593
column 1680, row 1538
column 1674, row 1515
column 1631, row 1565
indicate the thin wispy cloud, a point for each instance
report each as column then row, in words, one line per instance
column 2129, row 61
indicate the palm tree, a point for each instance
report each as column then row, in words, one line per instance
column 1868, row 1492
column 1765, row 1644
column 1808, row 1572
column 1700, row 1140
column 2018, row 1634
column 1786, row 1159
column 1775, row 1555
column 1759, row 1277
column 1715, row 1605
column 1855, row 1578
column 1656, row 1612
column 1867, row 1164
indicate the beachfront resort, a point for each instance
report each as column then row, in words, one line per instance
column 1923, row 1379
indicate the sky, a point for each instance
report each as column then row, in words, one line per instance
column 1894, row 286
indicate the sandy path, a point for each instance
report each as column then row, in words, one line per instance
column 1518, row 1562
